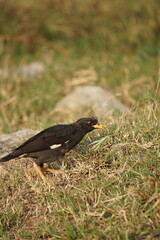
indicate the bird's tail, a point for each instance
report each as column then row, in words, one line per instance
column 8, row 157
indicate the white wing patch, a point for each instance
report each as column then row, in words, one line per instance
column 55, row 146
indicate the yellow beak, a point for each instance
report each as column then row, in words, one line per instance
column 99, row 126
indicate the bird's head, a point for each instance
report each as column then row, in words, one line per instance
column 89, row 124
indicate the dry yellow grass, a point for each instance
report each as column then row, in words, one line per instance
column 110, row 191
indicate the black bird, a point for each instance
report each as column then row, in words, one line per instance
column 52, row 143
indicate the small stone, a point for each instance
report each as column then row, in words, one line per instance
column 28, row 71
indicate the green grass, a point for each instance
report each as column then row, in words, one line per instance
column 112, row 191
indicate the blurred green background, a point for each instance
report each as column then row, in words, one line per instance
column 118, row 39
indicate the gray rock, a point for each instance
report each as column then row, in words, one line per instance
column 10, row 141
column 98, row 100
column 32, row 69
column 29, row 70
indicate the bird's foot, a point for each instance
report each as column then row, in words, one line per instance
column 40, row 172
column 54, row 171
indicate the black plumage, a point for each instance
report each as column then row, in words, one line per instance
column 52, row 143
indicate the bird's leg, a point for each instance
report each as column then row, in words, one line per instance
column 40, row 172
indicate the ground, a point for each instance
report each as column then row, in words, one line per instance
column 111, row 190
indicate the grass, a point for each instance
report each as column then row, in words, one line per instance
column 112, row 190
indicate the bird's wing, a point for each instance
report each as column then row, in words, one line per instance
column 58, row 134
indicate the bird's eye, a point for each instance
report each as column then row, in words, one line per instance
column 89, row 123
